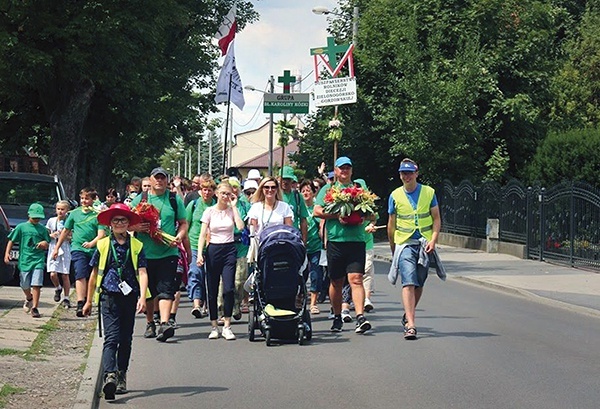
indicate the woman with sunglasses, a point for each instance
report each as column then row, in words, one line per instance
column 268, row 208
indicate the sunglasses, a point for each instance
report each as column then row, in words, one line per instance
column 120, row 220
column 270, row 187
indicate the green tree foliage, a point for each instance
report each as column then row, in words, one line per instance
column 570, row 155
column 576, row 87
column 99, row 85
column 447, row 83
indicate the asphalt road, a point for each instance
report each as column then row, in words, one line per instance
column 477, row 348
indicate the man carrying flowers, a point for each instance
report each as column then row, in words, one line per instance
column 414, row 224
column 161, row 238
column 344, row 208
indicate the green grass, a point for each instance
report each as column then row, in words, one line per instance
column 6, row 391
column 9, row 351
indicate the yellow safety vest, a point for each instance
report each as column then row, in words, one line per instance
column 103, row 247
column 408, row 220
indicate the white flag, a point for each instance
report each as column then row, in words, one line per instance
column 229, row 73
column 226, row 32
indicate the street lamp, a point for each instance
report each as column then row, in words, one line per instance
column 271, row 90
column 324, row 10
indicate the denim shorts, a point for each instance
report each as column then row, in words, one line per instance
column 81, row 264
column 33, row 278
column 410, row 271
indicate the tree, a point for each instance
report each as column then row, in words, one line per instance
column 94, row 84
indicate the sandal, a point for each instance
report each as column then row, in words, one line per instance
column 314, row 310
column 410, row 333
column 404, row 321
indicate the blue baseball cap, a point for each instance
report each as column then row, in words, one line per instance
column 343, row 160
column 331, row 175
column 408, row 167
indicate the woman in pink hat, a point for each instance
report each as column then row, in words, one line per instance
column 118, row 284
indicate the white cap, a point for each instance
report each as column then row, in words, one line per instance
column 254, row 174
column 250, row 184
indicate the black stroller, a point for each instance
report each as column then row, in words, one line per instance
column 278, row 289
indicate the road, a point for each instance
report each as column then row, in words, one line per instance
column 477, row 348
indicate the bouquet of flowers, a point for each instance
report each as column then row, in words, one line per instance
column 350, row 202
column 150, row 214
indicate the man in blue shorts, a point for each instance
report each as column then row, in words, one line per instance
column 414, row 224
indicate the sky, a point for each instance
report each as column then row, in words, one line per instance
column 280, row 40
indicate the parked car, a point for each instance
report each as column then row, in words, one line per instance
column 7, row 271
column 18, row 190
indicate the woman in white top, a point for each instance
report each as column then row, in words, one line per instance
column 221, row 255
column 267, row 208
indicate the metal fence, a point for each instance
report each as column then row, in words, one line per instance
column 560, row 224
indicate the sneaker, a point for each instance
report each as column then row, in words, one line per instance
column 66, row 303
column 362, row 325
column 57, row 292
column 121, row 383
column 150, row 330
column 331, row 314
column 79, row 311
column 203, row 312
column 228, row 334
column 346, row 316
column 196, row 312
column 214, row 333
column 368, row 305
column 110, row 386
column 337, row 324
column 173, row 323
column 27, row 306
column 165, row 331
column 35, row 313
column 237, row 316
column 156, row 318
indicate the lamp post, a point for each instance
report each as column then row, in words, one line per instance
column 324, row 10
column 271, row 91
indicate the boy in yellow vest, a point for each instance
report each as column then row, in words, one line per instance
column 119, row 282
column 413, row 214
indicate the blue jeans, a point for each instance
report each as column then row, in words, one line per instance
column 411, row 272
column 315, row 273
column 118, row 318
column 196, row 286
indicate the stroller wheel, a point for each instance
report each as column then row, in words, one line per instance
column 268, row 337
column 251, row 326
column 301, row 335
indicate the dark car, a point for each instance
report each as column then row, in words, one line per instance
column 7, row 271
column 19, row 190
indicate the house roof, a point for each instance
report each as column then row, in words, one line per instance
column 262, row 160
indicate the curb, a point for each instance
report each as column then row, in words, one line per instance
column 515, row 291
column 87, row 395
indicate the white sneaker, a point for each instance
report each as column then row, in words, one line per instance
column 228, row 334
column 27, row 306
column 214, row 334
column 368, row 305
column 331, row 314
column 346, row 317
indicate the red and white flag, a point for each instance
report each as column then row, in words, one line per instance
column 226, row 32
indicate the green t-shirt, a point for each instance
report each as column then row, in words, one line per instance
column 194, row 217
column 28, row 235
column 85, row 228
column 243, row 207
column 152, row 248
column 313, row 242
column 298, row 206
column 337, row 231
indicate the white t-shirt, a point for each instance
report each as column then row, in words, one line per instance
column 220, row 223
column 266, row 217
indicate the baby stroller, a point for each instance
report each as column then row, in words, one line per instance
column 278, row 289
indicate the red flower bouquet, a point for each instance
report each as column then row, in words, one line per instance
column 150, row 214
column 352, row 203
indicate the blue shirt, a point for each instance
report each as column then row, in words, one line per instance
column 413, row 198
column 110, row 283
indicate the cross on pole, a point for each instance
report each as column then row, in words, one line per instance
column 286, row 80
column 331, row 50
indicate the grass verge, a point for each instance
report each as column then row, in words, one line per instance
column 6, row 391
